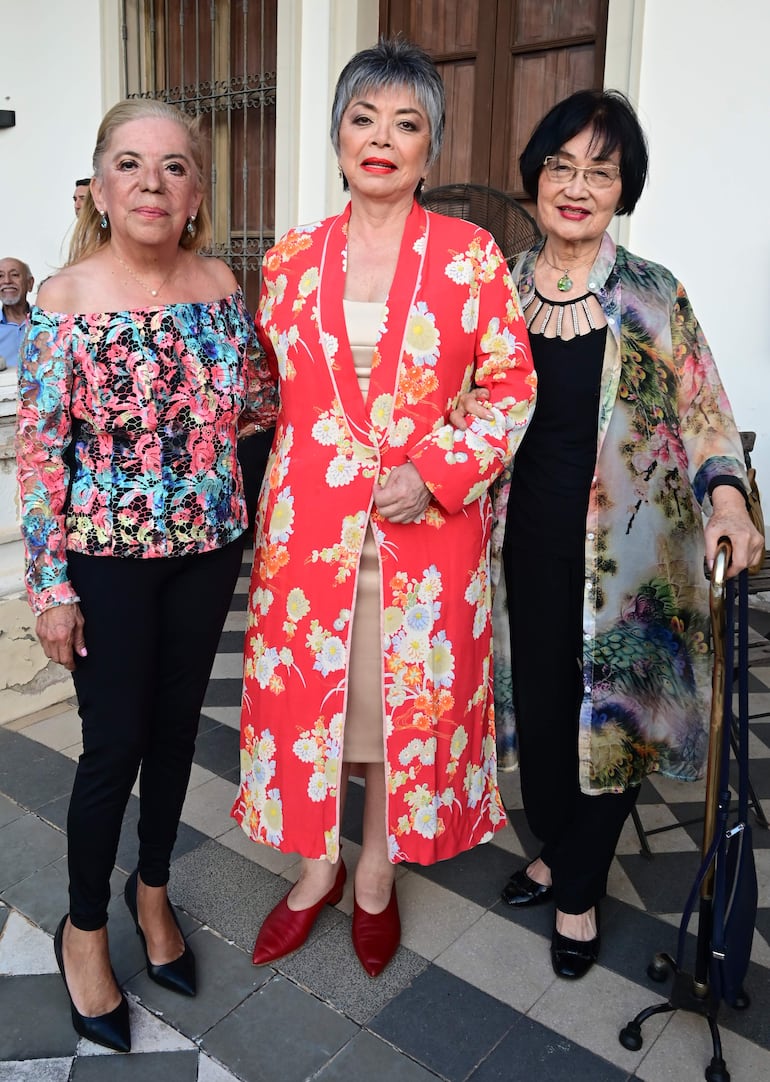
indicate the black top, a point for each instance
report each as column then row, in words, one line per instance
column 554, row 465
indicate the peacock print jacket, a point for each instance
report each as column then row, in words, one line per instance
column 665, row 433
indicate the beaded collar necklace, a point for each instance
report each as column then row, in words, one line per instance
column 574, row 307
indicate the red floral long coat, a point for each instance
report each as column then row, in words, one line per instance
column 452, row 320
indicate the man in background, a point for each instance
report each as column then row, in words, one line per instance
column 81, row 191
column 16, row 282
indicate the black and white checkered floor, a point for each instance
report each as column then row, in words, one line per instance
column 469, row 996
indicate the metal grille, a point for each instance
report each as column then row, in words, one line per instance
column 216, row 60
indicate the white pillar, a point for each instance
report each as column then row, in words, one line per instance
column 315, row 40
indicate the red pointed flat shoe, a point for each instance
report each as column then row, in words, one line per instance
column 284, row 930
column 376, row 936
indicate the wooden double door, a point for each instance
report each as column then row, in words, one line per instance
column 504, row 64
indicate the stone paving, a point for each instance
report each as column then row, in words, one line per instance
column 469, row 997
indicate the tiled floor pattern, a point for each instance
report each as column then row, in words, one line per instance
column 469, row 996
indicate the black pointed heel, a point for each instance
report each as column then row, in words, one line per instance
column 111, row 1030
column 177, row 976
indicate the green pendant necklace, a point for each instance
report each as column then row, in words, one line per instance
column 565, row 283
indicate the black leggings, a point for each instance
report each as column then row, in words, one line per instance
column 152, row 628
column 579, row 833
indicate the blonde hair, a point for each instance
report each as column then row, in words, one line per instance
column 88, row 236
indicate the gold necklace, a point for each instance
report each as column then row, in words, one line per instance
column 565, row 283
column 152, row 292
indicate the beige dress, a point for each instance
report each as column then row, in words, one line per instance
column 364, row 740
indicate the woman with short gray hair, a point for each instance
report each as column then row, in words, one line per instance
column 368, row 648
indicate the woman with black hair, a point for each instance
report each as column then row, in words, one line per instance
column 632, row 442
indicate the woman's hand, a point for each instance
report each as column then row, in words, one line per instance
column 404, row 496
column 731, row 519
column 471, row 404
column 60, row 631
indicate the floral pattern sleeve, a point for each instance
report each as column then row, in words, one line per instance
column 709, row 434
column 261, row 388
column 459, row 466
column 43, row 434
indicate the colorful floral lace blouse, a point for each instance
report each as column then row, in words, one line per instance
column 126, row 441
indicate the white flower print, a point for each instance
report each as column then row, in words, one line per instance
column 282, row 517
column 393, row 620
column 263, row 772
column 336, row 726
column 331, row 657
column 316, row 787
column 330, row 344
column 440, row 662
column 474, row 784
column 428, row 751
column 411, row 647
column 271, row 817
column 419, row 618
column 422, row 338
column 326, row 430
column 381, row 411
column 341, row 471
column 305, row 749
column 410, row 752
column 261, row 600
column 459, row 742
column 265, row 666
column 480, row 621
column 297, row 604
column 401, row 431
column 342, row 620
column 431, row 585
column 308, row 282
column 460, row 270
column 469, row 320
column 426, row 821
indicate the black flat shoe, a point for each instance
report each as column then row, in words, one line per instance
column 572, row 958
column 177, row 976
column 111, row 1030
column 520, row 890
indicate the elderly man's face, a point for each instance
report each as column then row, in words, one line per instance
column 79, row 196
column 14, row 283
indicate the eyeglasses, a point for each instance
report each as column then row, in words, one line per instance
column 596, row 176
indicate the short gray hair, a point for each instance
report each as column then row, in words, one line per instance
column 392, row 62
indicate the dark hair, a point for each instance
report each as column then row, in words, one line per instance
column 615, row 126
column 83, row 183
column 392, row 62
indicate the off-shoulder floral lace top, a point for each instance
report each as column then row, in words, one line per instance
column 127, row 429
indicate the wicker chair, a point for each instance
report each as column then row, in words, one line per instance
column 510, row 224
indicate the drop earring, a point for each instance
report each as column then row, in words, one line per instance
column 103, row 223
column 191, row 226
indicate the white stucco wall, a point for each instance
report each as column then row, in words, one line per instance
column 51, row 75
column 703, row 97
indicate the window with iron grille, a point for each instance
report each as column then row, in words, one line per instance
column 216, row 60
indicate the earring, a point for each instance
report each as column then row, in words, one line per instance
column 191, row 226
column 104, row 223
column 421, row 186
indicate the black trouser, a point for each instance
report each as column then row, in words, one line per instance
column 579, row 833
column 152, row 628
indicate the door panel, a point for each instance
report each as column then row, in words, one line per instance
column 504, row 64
